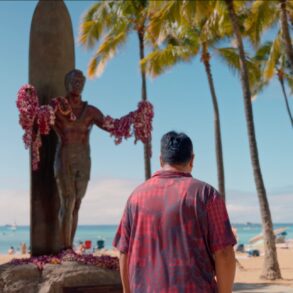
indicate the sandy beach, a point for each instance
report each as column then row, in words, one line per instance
column 253, row 267
column 249, row 275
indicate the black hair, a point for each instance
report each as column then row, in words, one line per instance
column 176, row 148
column 69, row 75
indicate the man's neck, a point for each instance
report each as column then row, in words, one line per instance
column 176, row 168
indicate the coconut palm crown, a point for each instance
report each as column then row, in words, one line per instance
column 264, row 15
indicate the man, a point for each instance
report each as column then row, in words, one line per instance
column 72, row 161
column 175, row 234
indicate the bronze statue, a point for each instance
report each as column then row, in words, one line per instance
column 72, row 160
column 72, row 120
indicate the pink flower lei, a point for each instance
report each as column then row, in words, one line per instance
column 36, row 120
column 104, row 261
column 137, row 123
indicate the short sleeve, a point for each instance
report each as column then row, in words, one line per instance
column 220, row 234
column 121, row 239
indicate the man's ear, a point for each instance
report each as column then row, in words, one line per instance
column 161, row 162
column 192, row 161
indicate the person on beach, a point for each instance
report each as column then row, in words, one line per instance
column 23, row 248
column 175, row 234
column 11, row 251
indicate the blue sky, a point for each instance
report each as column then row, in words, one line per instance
column 182, row 102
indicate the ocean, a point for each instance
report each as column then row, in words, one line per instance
column 15, row 236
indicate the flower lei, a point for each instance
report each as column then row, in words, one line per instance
column 137, row 123
column 38, row 120
column 104, row 261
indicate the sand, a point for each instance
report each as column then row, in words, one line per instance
column 249, row 275
column 253, row 268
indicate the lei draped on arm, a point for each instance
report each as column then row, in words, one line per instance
column 137, row 123
column 38, row 120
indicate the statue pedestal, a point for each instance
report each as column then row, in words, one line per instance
column 67, row 277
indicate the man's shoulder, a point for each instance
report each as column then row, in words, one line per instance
column 138, row 189
column 204, row 189
column 201, row 184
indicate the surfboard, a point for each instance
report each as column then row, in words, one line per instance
column 260, row 236
column 51, row 56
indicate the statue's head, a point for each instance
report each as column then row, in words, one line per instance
column 74, row 81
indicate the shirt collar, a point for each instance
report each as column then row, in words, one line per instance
column 170, row 174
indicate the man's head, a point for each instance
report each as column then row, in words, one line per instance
column 74, row 81
column 177, row 151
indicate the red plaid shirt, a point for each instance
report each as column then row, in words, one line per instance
column 171, row 226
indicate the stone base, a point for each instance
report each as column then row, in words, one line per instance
column 57, row 278
column 94, row 289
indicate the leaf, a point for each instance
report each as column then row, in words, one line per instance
column 289, row 79
column 107, row 50
column 231, row 58
column 159, row 61
column 273, row 58
column 261, row 16
column 95, row 22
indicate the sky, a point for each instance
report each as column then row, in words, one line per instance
column 181, row 101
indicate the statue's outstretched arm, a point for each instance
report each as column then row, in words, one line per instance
column 99, row 118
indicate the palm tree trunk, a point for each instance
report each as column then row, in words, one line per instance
column 271, row 268
column 218, row 140
column 285, row 32
column 147, row 146
column 285, row 97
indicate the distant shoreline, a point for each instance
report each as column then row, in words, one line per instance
column 111, row 225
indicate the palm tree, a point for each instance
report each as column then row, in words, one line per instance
column 271, row 268
column 266, row 14
column 111, row 22
column 183, row 42
column 273, row 61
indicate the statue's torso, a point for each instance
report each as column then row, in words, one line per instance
column 74, row 131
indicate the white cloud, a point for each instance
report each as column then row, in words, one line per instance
column 244, row 206
column 105, row 200
column 103, row 203
column 15, row 206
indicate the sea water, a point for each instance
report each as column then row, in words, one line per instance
column 10, row 236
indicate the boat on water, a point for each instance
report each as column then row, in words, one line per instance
column 277, row 232
column 12, row 227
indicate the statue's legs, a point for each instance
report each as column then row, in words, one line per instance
column 72, row 170
column 67, row 204
column 81, row 186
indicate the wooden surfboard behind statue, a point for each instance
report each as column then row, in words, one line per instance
column 51, row 56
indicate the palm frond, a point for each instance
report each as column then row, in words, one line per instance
column 273, row 58
column 240, row 5
column 106, row 51
column 98, row 19
column 194, row 12
column 159, row 61
column 261, row 16
column 289, row 80
column 289, row 5
column 263, row 52
column 231, row 58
